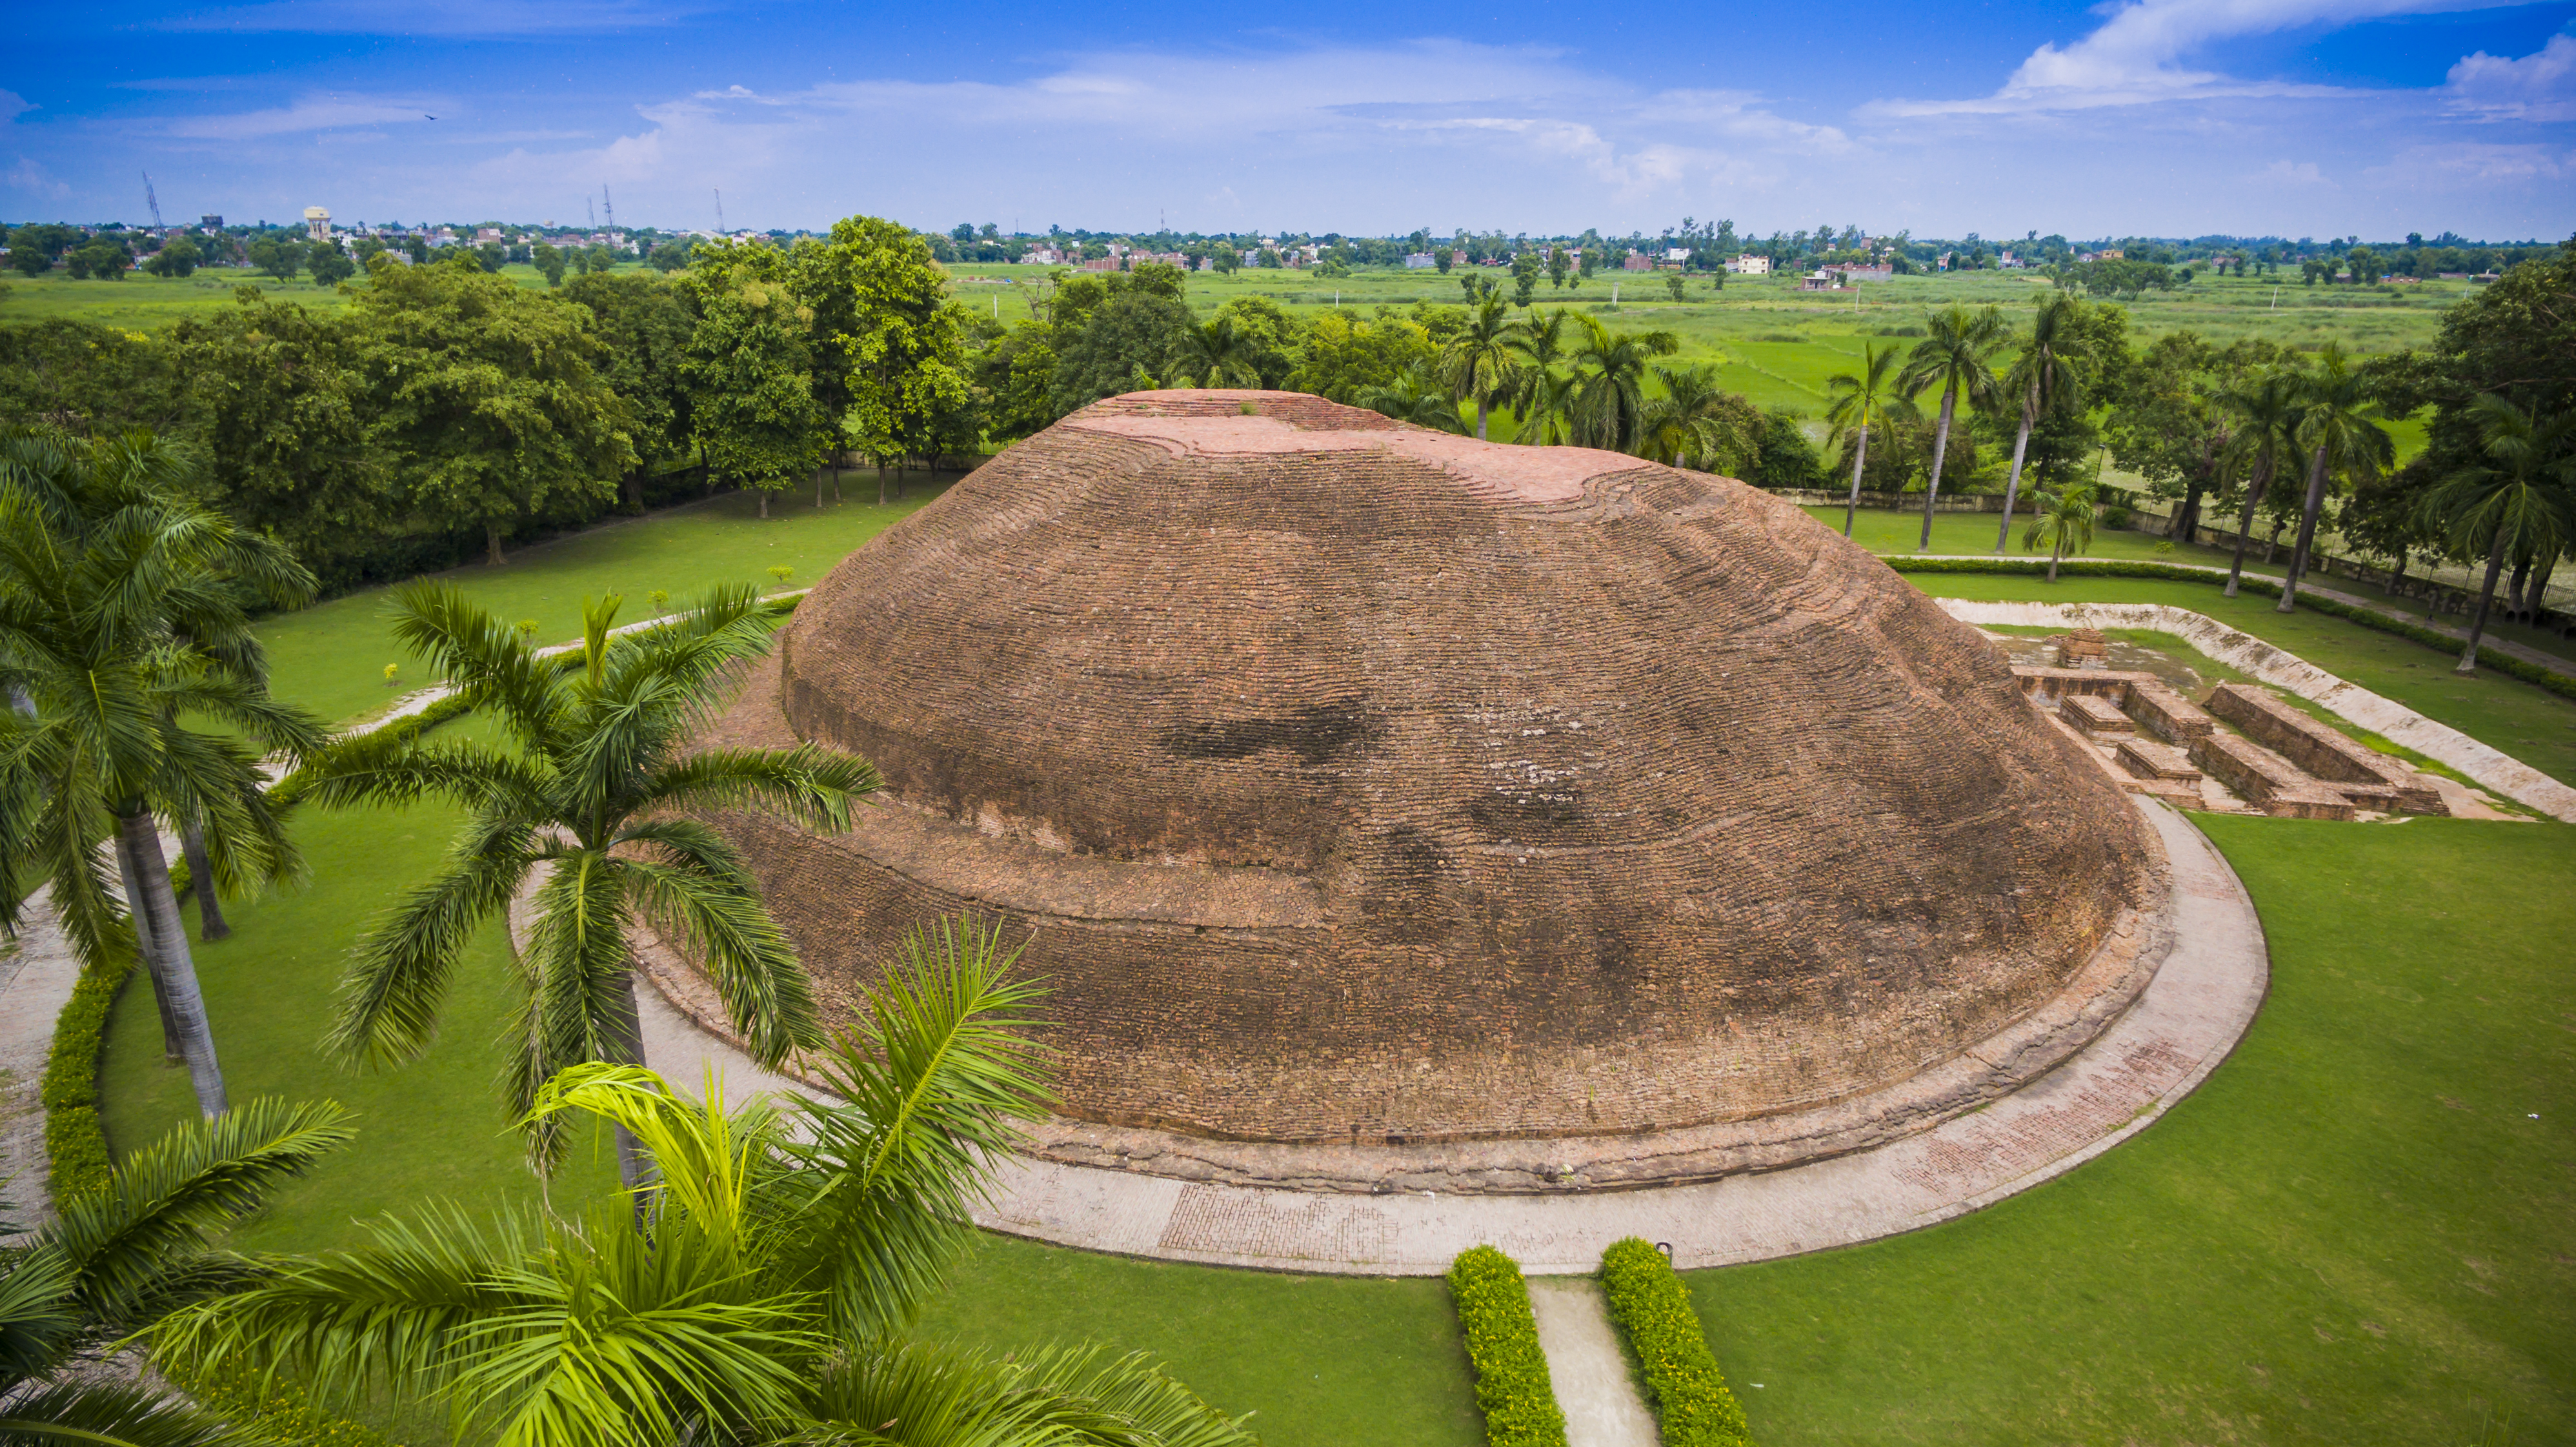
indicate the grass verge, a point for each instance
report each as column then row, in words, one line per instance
column 2358, row 1232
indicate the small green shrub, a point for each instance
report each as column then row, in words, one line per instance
column 75, row 1146
column 275, row 1409
column 1780, row 337
column 1502, row 1340
column 1653, row 1309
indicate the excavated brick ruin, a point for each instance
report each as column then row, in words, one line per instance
column 1553, row 816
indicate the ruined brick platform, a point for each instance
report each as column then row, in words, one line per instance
column 1358, row 788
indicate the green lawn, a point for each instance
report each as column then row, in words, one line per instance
column 1324, row 1361
column 140, row 301
column 332, row 658
column 2361, row 1230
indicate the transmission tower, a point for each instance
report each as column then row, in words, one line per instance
column 154, row 202
column 608, row 205
column 590, row 209
column 720, row 211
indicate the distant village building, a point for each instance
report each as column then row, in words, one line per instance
column 1821, row 280
column 1677, row 254
column 1853, row 271
column 210, row 223
column 1419, row 261
column 317, row 222
column 1750, row 265
column 1637, row 261
column 2010, row 262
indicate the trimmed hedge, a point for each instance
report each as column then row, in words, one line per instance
column 2371, row 618
column 1653, row 1308
column 75, row 1145
column 1502, row 1340
column 273, row 1408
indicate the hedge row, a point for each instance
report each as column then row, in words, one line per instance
column 1653, row 1309
column 274, row 1409
column 1502, row 1340
column 75, row 1145
column 2529, row 672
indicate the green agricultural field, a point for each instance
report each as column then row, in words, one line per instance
column 140, row 301
column 331, row 658
column 2361, row 1230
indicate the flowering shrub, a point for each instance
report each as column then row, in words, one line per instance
column 1653, row 1308
column 1502, row 1340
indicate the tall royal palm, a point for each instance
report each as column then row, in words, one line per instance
column 2519, row 502
column 1953, row 358
column 1697, row 423
column 1862, row 400
column 1478, row 361
column 593, row 794
column 1611, row 369
column 2338, row 424
column 1543, row 344
column 2265, row 408
column 121, row 622
column 2044, row 379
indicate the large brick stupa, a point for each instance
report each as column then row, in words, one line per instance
column 1546, row 814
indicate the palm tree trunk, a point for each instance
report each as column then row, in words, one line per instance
column 2012, row 484
column 1940, row 454
column 2513, row 587
column 1860, row 455
column 201, row 879
column 625, row 1032
column 2245, row 527
column 1484, row 409
column 168, row 957
column 2056, row 550
column 142, row 922
column 2307, row 529
column 2486, row 598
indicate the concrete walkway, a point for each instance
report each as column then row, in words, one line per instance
column 2200, row 1003
column 2523, row 651
column 2386, row 717
column 1585, row 1367
column 36, row 979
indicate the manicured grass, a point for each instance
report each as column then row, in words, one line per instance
column 2358, row 1231
column 1325, row 1361
column 428, row 1131
column 331, row 658
column 142, row 302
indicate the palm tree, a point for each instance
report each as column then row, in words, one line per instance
column 1610, row 388
column 2521, row 501
column 1545, row 409
column 1477, row 361
column 1952, row 356
column 1696, row 423
column 756, row 1292
column 1416, row 396
column 2045, row 379
column 2065, row 518
column 118, row 1260
column 1863, row 399
column 1213, row 354
column 2266, row 407
column 118, row 620
column 2338, row 424
column 1542, row 345
column 594, row 792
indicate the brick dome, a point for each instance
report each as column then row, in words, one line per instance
column 1355, row 783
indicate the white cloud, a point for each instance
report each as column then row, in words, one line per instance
column 2478, row 169
column 310, row 113
column 2540, row 86
column 12, row 106
column 446, row 18
column 2290, row 173
column 27, row 175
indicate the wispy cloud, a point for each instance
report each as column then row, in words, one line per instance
column 28, row 175
column 444, row 18
column 12, row 106
column 306, row 115
column 2290, row 173
column 2540, row 86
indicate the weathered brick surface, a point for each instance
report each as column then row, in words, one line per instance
column 2151, row 760
column 2096, row 715
column 2167, row 714
column 2264, row 778
column 1356, row 782
column 2322, row 750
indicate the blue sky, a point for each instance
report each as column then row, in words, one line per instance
column 2298, row 117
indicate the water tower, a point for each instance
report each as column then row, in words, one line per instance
column 317, row 220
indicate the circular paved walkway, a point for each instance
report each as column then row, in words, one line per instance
column 2190, row 1017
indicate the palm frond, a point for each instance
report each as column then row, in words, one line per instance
column 113, row 1414
column 711, row 903
column 810, row 786
column 390, row 992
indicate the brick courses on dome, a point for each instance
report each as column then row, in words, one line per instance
column 1368, row 786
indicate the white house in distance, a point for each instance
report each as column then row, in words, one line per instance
column 1750, row 265
column 317, row 222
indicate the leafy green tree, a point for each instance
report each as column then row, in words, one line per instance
column 1271, row 336
column 33, row 250
column 1610, row 393
column 2518, row 500
column 122, row 1259
column 94, row 381
column 1674, row 283
column 1134, row 332
column 485, row 398
column 1697, row 423
column 1416, row 396
column 643, row 325
column 1213, row 354
column 1557, row 267
column 1525, row 272
column 121, row 618
column 329, row 265
column 756, row 1293
column 1952, row 357
column 2338, row 425
column 2044, row 379
column 2264, row 412
column 1345, row 358
column 1787, row 459
column 1862, row 399
column 889, row 359
column 177, row 260
column 491, row 255
column 1478, row 360
column 101, row 260
column 550, row 263
column 593, row 797
column 2065, row 519
column 749, row 370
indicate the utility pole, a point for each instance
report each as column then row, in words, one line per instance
column 720, row 226
column 608, row 204
column 154, row 202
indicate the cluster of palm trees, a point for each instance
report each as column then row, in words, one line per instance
column 2321, row 424
column 750, row 1284
column 1567, row 380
